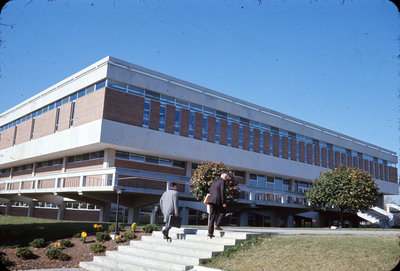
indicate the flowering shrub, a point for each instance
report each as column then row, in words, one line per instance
column 97, row 227
column 102, row 236
column 129, row 235
column 55, row 253
column 97, row 247
column 39, row 242
column 111, row 228
column 66, row 243
column 149, row 228
column 5, row 260
column 119, row 239
column 77, row 235
column 133, row 226
column 83, row 237
column 205, row 174
column 24, row 253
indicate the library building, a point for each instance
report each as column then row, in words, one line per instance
column 115, row 131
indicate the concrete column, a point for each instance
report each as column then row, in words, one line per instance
column 290, row 221
column 109, row 158
column 188, row 172
column 61, row 211
column 133, row 215
column 185, row 216
column 64, row 165
column 31, row 209
column 244, row 219
column 8, row 208
column 105, row 212
column 319, row 220
column 153, row 215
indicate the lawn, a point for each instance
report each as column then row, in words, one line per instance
column 312, row 252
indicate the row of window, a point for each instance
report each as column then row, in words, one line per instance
column 263, row 181
column 56, row 162
column 57, row 104
column 219, row 115
column 69, row 205
column 180, row 104
column 149, row 159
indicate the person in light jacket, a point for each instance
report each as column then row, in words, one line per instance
column 217, row 203
column 169, row 206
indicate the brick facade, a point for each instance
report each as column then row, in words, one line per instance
column 211, row 122
column 185, row 120
column 23, row 132
column 149, row 167
column 223, row 138
column 198, row 126
column 170, row 119
column 301, row 152
column 235, row 135
column 267, row 142
column 246, row 138
column 7, row 138
column 285, row 147
column 154, row 123
column 64, row 118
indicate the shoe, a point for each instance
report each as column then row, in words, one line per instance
column 165, row 235
column 210, row 235
column 218, row 228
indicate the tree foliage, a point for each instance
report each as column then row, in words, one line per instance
column 206, row 173
column 344, row 189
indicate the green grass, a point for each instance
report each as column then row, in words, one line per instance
column 311, row 252
column 19, row 231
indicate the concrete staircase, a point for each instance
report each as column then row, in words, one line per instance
column 189, row 247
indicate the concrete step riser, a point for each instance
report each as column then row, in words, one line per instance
column 90, row 266
column 178, row 258
column 186, row 243
column 143, row 264
column 195, row 252
column 151, row 262
column 201, row 238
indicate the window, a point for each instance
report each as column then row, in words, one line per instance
column 270, row 182
column 57, row 118
column 179, row 164
column 217, row 130
column 151, row 159
column 100, row 85
column 177, row 121
column 136, row 91
column 116, row 86
column 162, row 117
column 72, row 114
column 122, row 155
column 135, row 157
column 152, row 95
column 146, row 113
column 239, row 173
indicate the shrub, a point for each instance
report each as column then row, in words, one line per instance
column 24, row 253
column 39, row 242
column 119, row 239
column 129, row 235
column 66, row 243
column 111, row 228
column 55, row 253
column 77, row 235
column 102, row 236
column 5, row 260
column 97, row 247
column 149, row 228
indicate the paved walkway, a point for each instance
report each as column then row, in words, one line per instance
column 279, row 231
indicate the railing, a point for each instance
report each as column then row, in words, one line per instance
column 265, row 196
column 80, row 180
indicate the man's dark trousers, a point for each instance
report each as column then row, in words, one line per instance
column 217, row 214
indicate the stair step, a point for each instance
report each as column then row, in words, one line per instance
column 188, row 243
column 138, row 263
column 170, row 255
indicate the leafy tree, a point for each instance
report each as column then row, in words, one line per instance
column 206, row 173
column 345, row 189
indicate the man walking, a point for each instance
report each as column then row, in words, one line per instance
column 217, row 204
column 169, row 206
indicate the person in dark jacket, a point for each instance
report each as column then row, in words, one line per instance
column 217, row 203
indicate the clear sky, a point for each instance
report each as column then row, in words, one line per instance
column 332, row 63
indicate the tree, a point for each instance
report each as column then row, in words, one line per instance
column 344, row 189
column 206, row 173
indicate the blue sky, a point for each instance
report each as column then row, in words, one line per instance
column 330, row 63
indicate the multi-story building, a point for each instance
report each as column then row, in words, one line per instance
column 65, row 152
